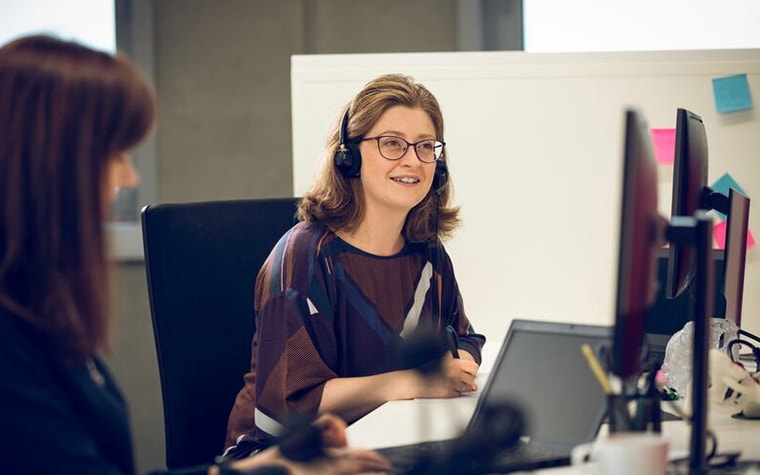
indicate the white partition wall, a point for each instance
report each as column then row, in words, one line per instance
column 535, row 142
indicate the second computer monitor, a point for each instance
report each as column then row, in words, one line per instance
column 689, row 187
column 737, row 230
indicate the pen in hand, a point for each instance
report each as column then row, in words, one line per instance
column 453, row 341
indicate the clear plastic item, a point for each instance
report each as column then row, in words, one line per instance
column 732, row 387
column 678, row 353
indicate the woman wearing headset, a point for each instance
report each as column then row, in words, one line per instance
column 361, row 272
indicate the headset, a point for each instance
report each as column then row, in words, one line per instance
column 348, row 159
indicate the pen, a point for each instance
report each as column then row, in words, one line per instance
column 453, row 341
column 596, row 368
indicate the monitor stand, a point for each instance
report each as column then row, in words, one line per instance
column 697, row 232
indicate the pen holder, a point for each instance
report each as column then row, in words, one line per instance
column 633, row 413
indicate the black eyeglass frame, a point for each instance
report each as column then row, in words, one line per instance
column 437, row 145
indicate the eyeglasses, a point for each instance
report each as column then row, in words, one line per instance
column 393, row 148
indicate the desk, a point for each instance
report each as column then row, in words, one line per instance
column 404, row 422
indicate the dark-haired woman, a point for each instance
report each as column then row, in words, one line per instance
column 69, row 116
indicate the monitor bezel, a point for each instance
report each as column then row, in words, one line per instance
column 735, row 254
column 689, row 192
column 641, row 235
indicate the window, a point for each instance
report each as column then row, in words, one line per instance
column 601, row 25
column 105, row 25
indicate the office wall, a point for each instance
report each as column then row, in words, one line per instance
column 535, row 154
column 223, row 77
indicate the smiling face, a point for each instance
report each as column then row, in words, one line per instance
column 396, row 186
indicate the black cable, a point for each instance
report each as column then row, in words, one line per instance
column 713, row 444
column 749, row 335
column 711, row 438
column 719, row 460
column 436, row 262
column 738, row 341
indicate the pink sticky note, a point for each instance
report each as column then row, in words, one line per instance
column 664, row 143
column 719, row 236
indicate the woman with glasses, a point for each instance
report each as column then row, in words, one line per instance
column 68, row 117
column 362, row 275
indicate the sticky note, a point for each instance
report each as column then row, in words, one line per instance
column 732, row 93
column 719, row 235
column 725, row 182
column 722, row 185
column 664, row 143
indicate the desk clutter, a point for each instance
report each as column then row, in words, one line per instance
column 569, row 393
column 734, row 380
column 733, row 390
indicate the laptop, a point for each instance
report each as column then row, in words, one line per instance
column 541, row 375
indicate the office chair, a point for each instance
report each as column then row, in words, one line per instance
column 201, row 261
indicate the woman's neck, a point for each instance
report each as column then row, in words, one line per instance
column 381, row 237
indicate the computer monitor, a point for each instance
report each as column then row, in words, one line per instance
column 691, row 193
column 737, row 229
column 689, row 187
column 641, row 234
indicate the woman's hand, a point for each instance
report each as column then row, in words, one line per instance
column 339, row 459
column 333, row 430
column 456, row 377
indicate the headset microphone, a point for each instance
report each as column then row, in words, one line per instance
column 422, row 350
column 441, row 176
column 474, row 452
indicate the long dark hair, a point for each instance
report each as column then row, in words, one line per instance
column 66, row 111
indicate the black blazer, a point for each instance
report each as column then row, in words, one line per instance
column 62, row 419
column 54, row 417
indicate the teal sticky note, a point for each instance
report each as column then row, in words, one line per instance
column 722, row 185
column 732, row 93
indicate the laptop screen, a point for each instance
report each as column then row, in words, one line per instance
column 542, row 369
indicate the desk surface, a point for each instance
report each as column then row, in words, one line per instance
column 404, row 422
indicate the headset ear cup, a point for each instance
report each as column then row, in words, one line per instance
column 343, row 160
column 347, row 158
column 356, row 161
column 441, row 176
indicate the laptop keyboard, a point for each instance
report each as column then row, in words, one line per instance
column 431, row 457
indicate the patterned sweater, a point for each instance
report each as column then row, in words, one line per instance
column 325, row 309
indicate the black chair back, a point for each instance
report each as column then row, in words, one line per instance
column 201, row 261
